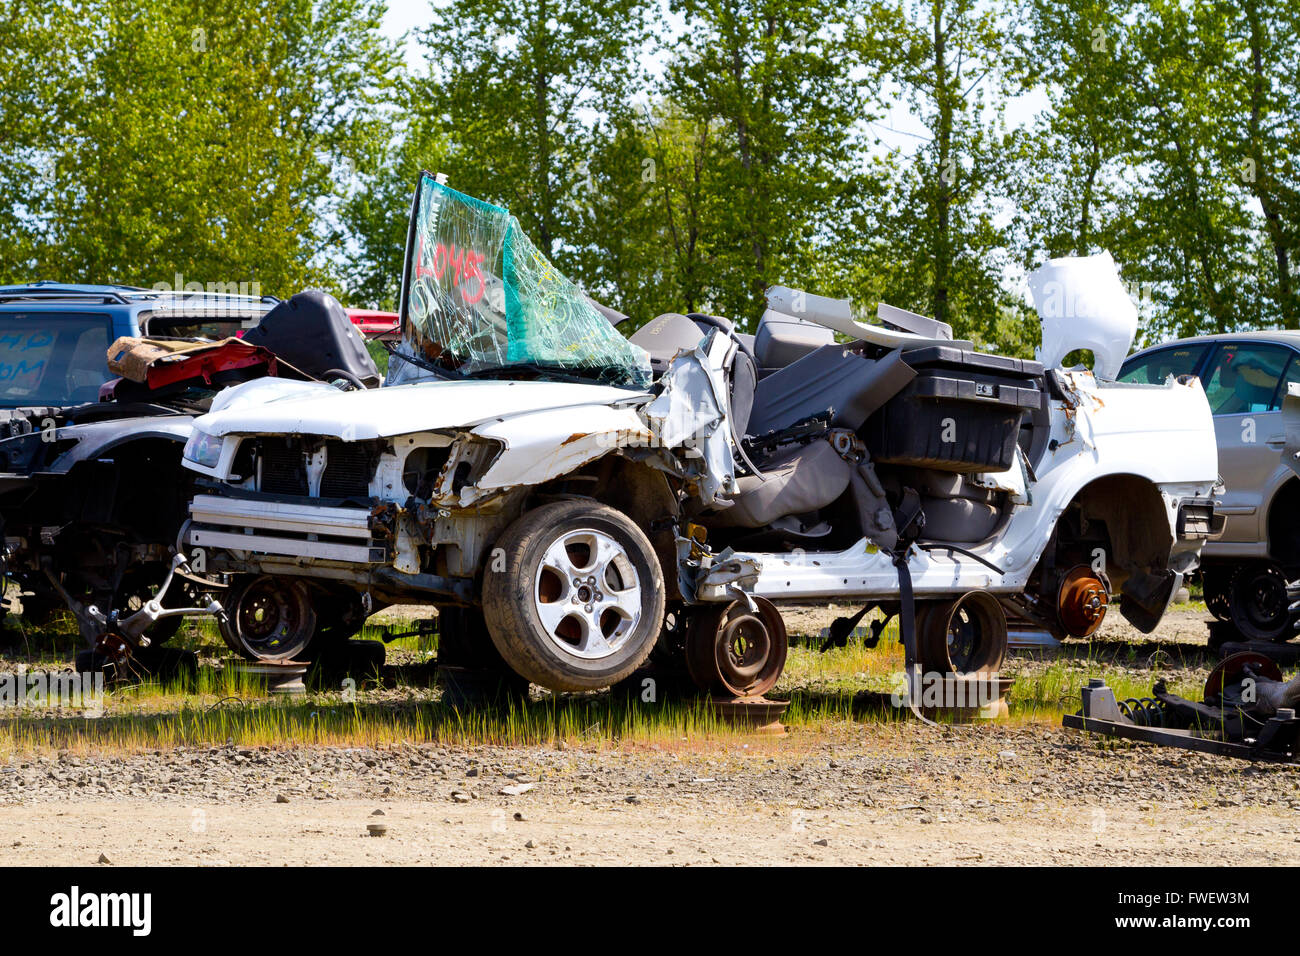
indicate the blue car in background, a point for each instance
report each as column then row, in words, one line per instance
column 92, row 492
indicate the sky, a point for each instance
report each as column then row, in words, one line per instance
column 403, row 16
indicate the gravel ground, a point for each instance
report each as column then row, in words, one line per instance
column 864, row 794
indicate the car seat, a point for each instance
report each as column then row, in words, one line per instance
column 1252, row 387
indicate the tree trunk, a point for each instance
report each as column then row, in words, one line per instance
column 947, row 165
column 1259, row 184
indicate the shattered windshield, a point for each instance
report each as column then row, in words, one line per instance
column 481, row 299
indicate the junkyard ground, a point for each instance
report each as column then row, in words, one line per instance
column 210, row 777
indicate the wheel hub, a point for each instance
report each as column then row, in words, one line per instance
column 273, row 619
column 587, row 594
column 965, row 635
column 1259, row 604
column 1082, row 601
column 732, row 651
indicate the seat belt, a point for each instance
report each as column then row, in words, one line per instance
column 911, row 522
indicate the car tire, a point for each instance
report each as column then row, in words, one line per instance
column 1214, row 583
column 578, row 599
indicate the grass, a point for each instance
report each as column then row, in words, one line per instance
column 843, row 688
column 256, row 723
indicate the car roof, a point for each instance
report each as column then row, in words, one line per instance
column 46, row 295
column 1281, row 336
column 45, row 285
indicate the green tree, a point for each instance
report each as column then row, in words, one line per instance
column 641, row 236
column 514, row 87
column 768, row 86
column 1067, row 171
column 376, row 214
column 1267, row 79
column 942, row 221
column 208, row 140
column 33, row 97
column 1170, row 142
column 1185, row 226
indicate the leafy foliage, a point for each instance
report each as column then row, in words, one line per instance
column 672, row 158
column 194, row 139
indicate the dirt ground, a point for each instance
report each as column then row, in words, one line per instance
column 902, row 794
column 861, row 793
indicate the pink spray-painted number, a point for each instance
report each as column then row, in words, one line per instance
column 464, row 265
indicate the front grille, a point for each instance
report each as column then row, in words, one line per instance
column 284, row 469
column 347, row 470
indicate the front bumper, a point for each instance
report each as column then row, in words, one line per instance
column 266, row 527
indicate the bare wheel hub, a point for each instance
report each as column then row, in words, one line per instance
column 273, row 618
column 733, row 651
column 587, row 594
column 1082, row 601
column 964, row 635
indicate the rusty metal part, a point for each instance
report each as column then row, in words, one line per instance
column 758, row 713
column 966, row 635
column 1081, row 601
column 282, row 677
column 383, row 520
column 1233, row 669
column 735, row 652
column 113, row 647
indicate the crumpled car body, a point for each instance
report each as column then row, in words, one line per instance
column 741, row 473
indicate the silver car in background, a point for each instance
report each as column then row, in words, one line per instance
column 1245, row 376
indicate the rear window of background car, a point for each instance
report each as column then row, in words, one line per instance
column 1155, row 367
column 52, row 358
column 1243, row 378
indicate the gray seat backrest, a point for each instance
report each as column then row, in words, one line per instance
column 783, row 339
column 666, row 335
column 834, row 378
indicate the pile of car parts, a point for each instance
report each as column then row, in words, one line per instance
column 1248, row 712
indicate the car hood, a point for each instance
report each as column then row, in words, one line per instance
column 276, row 406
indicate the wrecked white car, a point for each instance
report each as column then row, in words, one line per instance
column 574, row 499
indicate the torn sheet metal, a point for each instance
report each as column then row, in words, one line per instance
column 545, row 444
column 691, row 414
column 728, row 576
column 1082, row 304
column 1014, row 481
column 278, row 406
column 837, row 314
